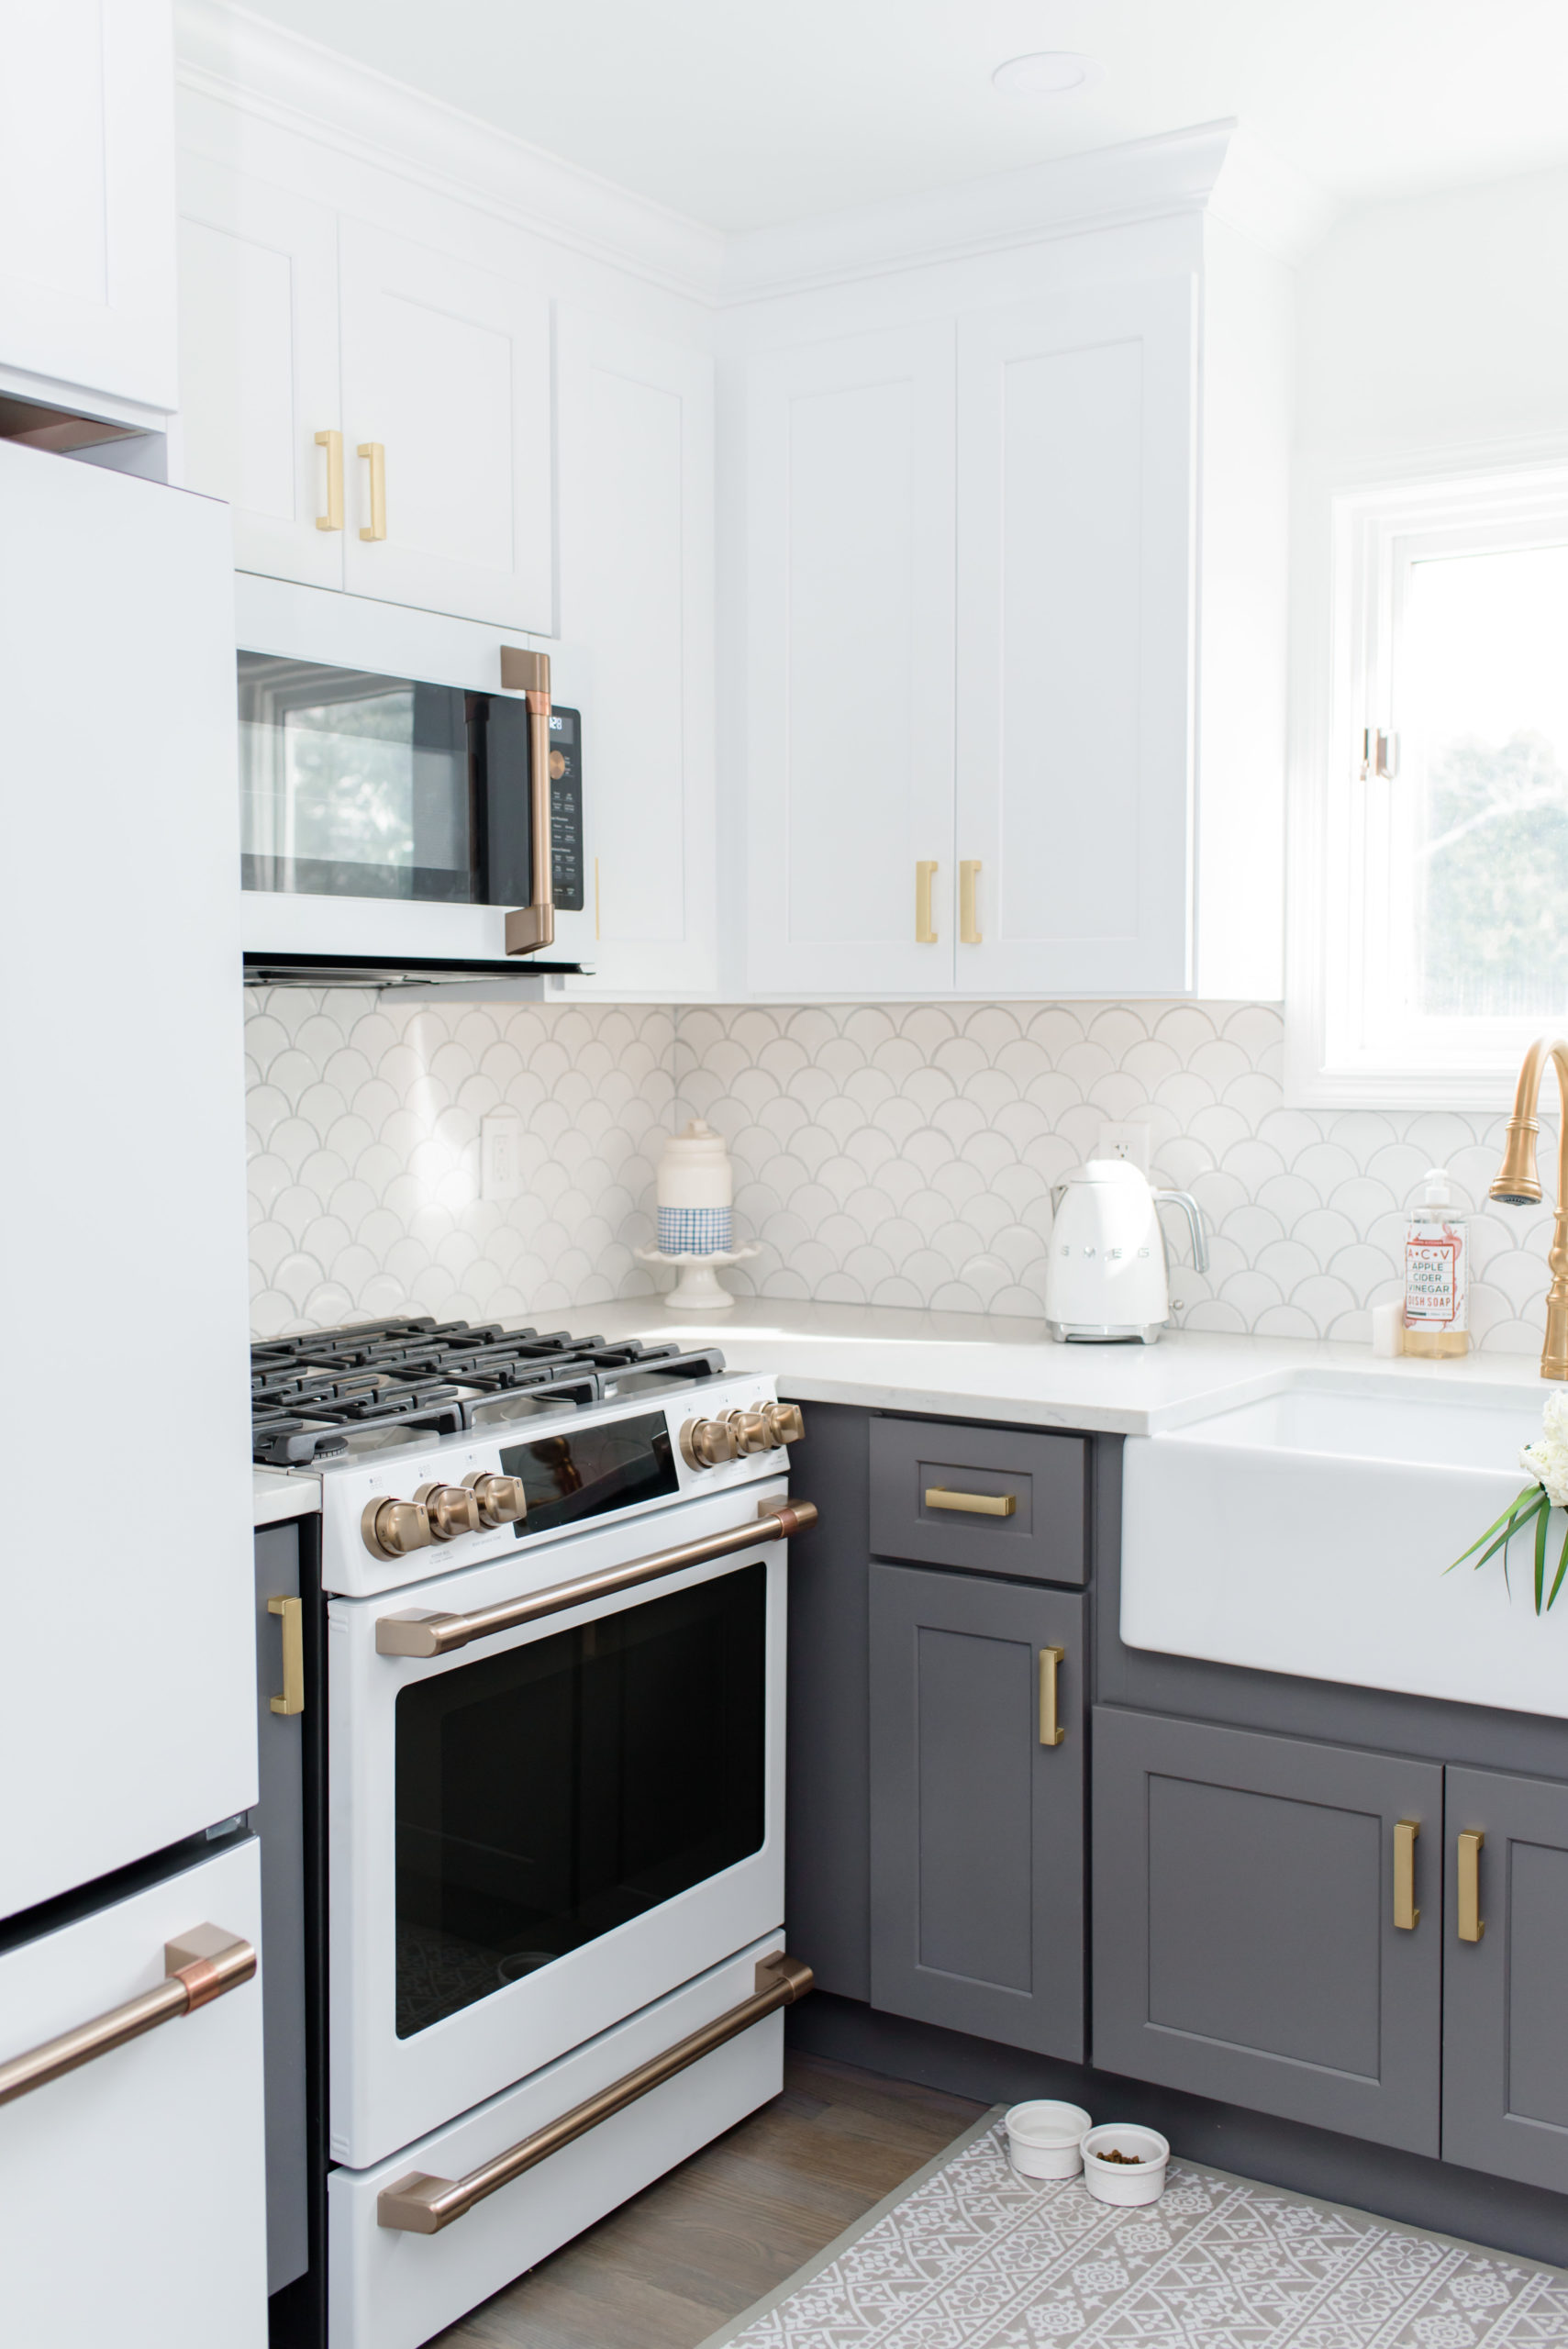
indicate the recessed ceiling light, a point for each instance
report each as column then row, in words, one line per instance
column 1046, row 73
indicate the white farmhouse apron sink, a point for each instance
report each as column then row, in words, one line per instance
column 1308, row 1533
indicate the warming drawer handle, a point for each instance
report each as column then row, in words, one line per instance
column 200, row 1966
column 531, row 927
column 420, row 2205
column 421, row 1634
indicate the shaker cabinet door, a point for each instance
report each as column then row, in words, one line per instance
column 258, row 369
column 446, row 374
column 1246, row 1930
column 850, row 687
column 1075, row 483
column 976, row 1820
column 1505, row 2047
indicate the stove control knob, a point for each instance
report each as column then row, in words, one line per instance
column 706, row 1443
column 750, row 1432
column 502, row 1500
column 391, row 1529
column 784, row 1423
column 451, row 1510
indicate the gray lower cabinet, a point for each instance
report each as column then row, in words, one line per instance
column 976, row 1823
column 1505, row 2031
column 1245, row 1941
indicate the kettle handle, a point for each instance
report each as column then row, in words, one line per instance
column 1193, row 1213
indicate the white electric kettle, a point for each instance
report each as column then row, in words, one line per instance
column 1106, row 1273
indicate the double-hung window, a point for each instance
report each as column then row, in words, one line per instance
column 1429, row 882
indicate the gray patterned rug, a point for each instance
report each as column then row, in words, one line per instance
column 969, row 2256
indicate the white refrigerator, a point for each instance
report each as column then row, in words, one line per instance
column 131, row 2184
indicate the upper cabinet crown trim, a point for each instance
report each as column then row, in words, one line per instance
column 229, row 55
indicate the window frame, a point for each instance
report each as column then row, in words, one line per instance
column 1346, row 911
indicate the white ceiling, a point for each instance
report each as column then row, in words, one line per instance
column 742, row 114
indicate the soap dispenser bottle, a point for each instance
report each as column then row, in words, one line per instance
column 1436, row 1271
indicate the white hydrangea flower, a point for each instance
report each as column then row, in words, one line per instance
column 1547, row 1459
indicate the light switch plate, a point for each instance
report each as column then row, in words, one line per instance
column 1129, row 1141
column 500, row 1155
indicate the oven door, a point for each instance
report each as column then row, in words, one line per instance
column 536, row 1835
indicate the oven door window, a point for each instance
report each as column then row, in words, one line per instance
column 545, row 1795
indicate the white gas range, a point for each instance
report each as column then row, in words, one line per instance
column 551, row 1624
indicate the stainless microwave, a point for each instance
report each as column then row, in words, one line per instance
column 396, row 818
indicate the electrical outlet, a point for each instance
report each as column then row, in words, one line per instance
column 1130, row 1141
column 500, row 1155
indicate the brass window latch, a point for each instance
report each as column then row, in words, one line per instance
column 1380, row 755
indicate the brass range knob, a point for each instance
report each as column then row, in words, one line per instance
column 391, row 1529
column 784, row 1422
column 706, row 1443
column 749, row 1431
column 451, row 1510
column 502, row 1500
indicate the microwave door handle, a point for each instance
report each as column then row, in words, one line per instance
column 531, row 927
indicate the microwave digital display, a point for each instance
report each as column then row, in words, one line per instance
column 360, row 785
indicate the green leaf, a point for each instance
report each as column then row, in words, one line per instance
column 1543, row 1520
column 1517, row 1518
column 1562, row 1566
column 1507, row 1514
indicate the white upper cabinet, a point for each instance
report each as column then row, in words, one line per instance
column 87, row 202
column 258, row 367
column 850, row 673
column 636, row 442
column 446, row 374
column 1075, row 473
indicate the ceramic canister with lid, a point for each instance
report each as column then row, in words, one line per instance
column 695, row 1190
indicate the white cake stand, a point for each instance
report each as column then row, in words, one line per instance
column 698, row 1290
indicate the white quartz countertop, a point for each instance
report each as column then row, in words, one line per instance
column 282, row 1493
column 999, row 1368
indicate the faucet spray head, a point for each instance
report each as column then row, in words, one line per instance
column 1517, row 1185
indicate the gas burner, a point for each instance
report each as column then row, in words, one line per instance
column 325, row 1392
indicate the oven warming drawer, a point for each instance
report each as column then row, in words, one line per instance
column 392, row 2290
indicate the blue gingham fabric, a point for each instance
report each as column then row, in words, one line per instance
column 694, row 1232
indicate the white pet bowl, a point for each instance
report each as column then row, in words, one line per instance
column 1139, row 2181
column 1043, row 2139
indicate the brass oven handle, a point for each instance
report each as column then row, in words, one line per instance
column 532, row 926
column 200, row 1966
column 968, row 917
column 976, row 1504
column 292, row 1610
column 377, row 455
column 333, row 444
column 1407, row 1916
column 1472, row 1924
column 1051, row 1730
column 422, row 2206
column 434, row 1634
column 925, row 926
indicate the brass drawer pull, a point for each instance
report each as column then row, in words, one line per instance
column 968, row 915
column 200, row 1966
column 1051, row 1730
column 973, row 1504
column 415, row 1633
column 422, row 2206
column 925, row 926
column 333, row 444
column 1407, row 1916
column 1472, row 1924
column 292, row 1611
column 376, row 454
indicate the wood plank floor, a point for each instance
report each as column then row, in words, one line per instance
column 669, row 2267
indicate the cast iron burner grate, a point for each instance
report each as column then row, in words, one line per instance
column 309, row 1392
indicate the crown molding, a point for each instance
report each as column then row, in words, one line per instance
column 1267, row 199
column 241, row 60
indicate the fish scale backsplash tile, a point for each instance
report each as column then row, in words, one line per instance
column 899, row 1154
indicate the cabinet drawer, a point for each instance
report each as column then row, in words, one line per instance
column 999, row 1501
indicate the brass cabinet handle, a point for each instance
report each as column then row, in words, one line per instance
column 968, row 918
column 1407, row 1916
column 924, row 924
column 433, row 1634
column 1472, row 1924
column 422, row 2206
column 333, row 444
column 377, row 455
column 532, row 926
column 292, row 1611
column 200, row 1966
column 1051, row 1730
column 975, row 1504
